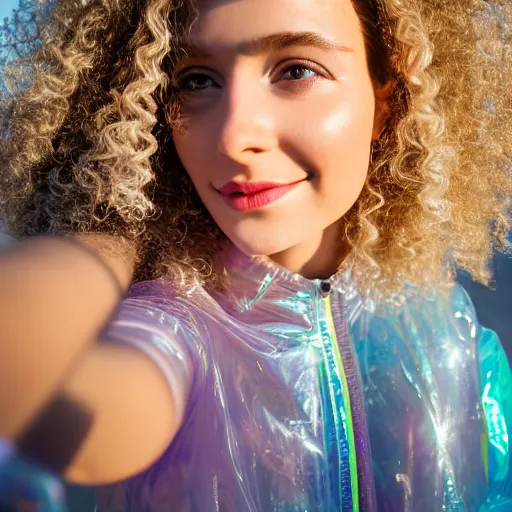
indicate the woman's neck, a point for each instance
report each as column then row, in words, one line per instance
column 317, row 257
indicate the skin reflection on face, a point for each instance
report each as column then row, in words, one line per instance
column 279, row 92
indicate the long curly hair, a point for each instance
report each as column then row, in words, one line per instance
column 87, row 120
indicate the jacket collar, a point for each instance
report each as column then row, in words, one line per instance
column 259, row 290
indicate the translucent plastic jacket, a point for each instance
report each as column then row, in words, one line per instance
column 297, row 396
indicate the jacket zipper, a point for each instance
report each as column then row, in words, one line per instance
column 325, row 289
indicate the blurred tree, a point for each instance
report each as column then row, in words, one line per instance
column 20, row 34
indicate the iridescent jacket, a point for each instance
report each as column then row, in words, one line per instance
column 300, row 396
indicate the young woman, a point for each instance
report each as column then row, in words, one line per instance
column 287, row 186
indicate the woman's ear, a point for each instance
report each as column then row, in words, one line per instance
column 382, row 108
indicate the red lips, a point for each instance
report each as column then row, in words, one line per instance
column 254, row 195
column 248, row 189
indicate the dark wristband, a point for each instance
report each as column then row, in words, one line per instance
column 57, row 434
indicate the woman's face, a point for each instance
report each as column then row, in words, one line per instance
column 279, row 109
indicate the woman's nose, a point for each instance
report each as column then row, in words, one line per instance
column 247, row 125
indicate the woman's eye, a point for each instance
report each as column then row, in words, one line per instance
column 196, row 82
column 298, row 72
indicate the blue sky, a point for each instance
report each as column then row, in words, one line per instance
column 6, row 7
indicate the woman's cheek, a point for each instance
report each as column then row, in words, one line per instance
column 338, row 132
column 191, row 148
column 343, row 138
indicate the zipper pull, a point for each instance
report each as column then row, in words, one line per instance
column 325, row 288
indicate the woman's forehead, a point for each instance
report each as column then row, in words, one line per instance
column 236, row 22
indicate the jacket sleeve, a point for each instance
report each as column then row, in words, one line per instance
column 151, row 326
column 496, row 393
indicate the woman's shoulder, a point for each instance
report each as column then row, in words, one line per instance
column 445, row 302
column 161, row 302
column 161, row 289
column 163, row 294
column 425, row 317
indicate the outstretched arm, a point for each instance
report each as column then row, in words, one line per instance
column 64, row 299
column 133, row 411
column 55, row 298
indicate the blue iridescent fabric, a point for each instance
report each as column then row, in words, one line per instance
column 27, row 487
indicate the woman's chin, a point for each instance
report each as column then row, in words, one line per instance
column 259, row 247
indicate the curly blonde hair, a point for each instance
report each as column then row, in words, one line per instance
column 87, row 146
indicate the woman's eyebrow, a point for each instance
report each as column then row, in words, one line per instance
column 282, row 40
column 277, row 41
